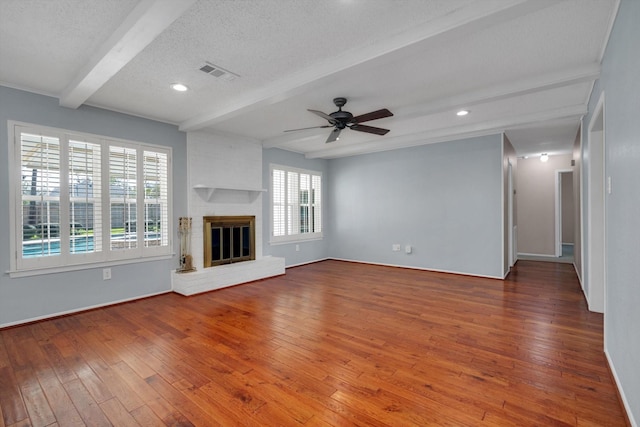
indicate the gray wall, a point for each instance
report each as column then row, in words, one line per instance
column 536, row 203
column 309, row 251
column 621, row 85
column 31, row 297
column 445, row 200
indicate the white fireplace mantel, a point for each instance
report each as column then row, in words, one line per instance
column 210, row 193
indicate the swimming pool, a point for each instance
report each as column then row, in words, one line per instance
column 35, row 248
column 78, row 244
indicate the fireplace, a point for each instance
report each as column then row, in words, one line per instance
column 228, row 239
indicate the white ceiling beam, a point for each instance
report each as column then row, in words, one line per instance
column 147, row 20
column 450, row 133
column 297, row 136
column 466, row 100
column 503, row 91
column 464, row 21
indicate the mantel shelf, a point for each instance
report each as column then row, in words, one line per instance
column 225, row 194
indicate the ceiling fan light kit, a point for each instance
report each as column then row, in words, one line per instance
column 340, row 120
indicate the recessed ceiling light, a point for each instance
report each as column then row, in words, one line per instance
column 179, row 87
column 462, row 112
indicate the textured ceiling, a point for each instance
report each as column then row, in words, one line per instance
column 525, row 67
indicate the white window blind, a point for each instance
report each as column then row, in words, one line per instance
column 316, row 202
column 156, row 199
column 40, row 161
column 296, row 204
column 278, row 188
column 78, row 199
column 85, row 204
column 123, row 197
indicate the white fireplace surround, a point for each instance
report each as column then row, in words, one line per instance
column 224, row 179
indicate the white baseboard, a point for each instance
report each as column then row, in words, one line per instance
column 307, row 262
column 411, row 267
column 625, row 402
column 537, row 255
column 78, row 310
column 575, row 267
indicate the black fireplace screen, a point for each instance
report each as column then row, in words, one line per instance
column 228, row 240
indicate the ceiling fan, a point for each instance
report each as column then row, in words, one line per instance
column 344, row 119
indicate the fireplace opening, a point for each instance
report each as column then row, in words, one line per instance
column 228, row 239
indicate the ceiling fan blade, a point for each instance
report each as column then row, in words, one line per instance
column 323, row 115
column 369, row 129
column 333, row 135
column 312, row 127
column 374, row 115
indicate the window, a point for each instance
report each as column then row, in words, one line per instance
column 296, row 204
column 78, row 199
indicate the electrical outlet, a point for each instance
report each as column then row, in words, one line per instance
column 106, row 274
column 408, row 249
column 395, row 247
column 297, row 248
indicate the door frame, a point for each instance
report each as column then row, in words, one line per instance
column 513, row 251
column 596, row 206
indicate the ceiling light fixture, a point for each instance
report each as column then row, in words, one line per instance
column 179, row 87
column 544, row 157
column 462, row 112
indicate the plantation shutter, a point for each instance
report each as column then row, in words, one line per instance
column 296, row 197
column 293, row 213
column 40, row 171
column 316, row 203
column 123, row 197
column 156, row 199
column 85, row 197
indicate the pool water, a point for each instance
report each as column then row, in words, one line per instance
column 79, row 244
column 52, row 247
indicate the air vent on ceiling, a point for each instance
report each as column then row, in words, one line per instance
column 218, row 72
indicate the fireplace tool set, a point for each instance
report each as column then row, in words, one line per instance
column 184, row 231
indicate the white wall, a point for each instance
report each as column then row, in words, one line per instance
column 621, row 85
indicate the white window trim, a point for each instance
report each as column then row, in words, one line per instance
column 107, row 257
column 300, row 237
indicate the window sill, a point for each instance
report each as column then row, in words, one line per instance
column 295, row 240
column 77, row 267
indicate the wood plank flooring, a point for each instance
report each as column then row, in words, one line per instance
column 328, row 344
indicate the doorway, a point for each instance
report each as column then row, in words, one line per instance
column 564, row 215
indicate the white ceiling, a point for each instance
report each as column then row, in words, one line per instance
column 525, row 67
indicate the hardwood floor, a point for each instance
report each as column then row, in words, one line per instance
column 327, row 344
